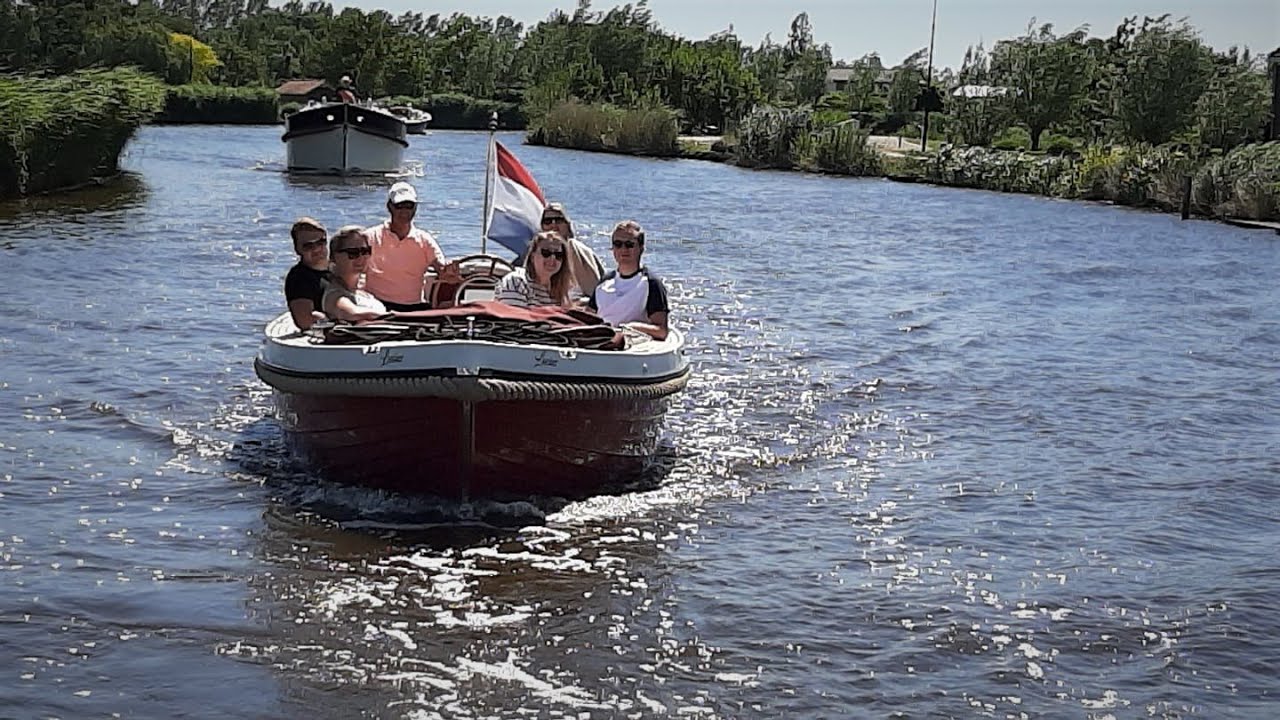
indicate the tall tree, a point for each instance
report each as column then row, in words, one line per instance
column 1236, row 103
column 1162, row 69
column 1047, row 77
column 978, row 114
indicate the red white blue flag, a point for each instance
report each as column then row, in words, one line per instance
column 515, row 213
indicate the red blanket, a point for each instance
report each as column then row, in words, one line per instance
column 550, row 314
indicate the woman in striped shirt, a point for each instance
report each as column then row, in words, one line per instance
column 544, row 279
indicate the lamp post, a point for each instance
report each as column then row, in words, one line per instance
column 1273, row 64
column 928, row 82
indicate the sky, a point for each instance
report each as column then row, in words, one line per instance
column 895, row 28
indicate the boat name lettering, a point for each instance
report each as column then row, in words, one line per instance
column 388, row 357
column 546, row 358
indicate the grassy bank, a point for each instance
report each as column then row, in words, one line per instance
column 606, row 128
column 65, row 131
column 1243, row 183
column 214, row 104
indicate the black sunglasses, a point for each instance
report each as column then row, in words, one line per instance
column 313, row 244
column 355, row 252
column 557, row 254
column 628, row 244
column 553, row 219
column 405, row 205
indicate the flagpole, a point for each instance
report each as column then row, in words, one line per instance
column 488, row 183
column 928, row 83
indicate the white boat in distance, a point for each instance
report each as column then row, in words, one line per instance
column 344, row 139
column 415, row 120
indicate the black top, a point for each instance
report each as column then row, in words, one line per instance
column 656, row 300
column 305, row 283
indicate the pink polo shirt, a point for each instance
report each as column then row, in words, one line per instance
column 395, row 271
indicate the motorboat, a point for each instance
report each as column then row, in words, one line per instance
column 475, row 399
column 344, row 139
column 415, row 120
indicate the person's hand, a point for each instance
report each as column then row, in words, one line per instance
column 451, row 273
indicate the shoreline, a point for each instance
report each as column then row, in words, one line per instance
column 685, row 152
column 698, row 148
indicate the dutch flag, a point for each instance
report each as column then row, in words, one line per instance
column 515, row 211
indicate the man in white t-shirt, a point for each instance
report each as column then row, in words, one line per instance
column 631, row 296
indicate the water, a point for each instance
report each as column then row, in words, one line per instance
column 945, row 453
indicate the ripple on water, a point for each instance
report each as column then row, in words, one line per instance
column 944, row 453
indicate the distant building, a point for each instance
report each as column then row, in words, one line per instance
column 839, row 79
column 300, row 91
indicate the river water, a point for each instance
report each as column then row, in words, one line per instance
column 945, row 454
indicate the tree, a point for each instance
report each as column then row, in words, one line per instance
column 977, row 119
column 907, row 79
column 1162, row 69
column 196, row 58
column 1047, row 77
column 1235, row 105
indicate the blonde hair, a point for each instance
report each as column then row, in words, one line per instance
column 560, row 282
column 345, row 232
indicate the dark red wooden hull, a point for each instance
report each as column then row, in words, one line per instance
column 516, row 449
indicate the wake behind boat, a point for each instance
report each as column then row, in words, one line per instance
column 344, row 139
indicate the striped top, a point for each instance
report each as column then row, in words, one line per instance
column 518, row 290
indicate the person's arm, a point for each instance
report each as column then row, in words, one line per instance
column 302, row 310
column 346, row 309
column 340, row 306
column 447, row 271
column 658, row 309
column 656, row 328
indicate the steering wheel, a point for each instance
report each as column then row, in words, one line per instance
column 476, row 276
column 494, row 262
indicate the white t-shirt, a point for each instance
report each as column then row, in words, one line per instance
column 622, row 300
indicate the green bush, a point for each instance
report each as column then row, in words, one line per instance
column 991, row 169
column 828, row 118
column 842, row 149
column 1012, row 138
column 1098, row 171
column 217, row 104
column 766, row 136
column 67, row 130
column 650, row 130
column 1059, row 145
column 1243, row 183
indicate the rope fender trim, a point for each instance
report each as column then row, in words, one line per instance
column 468, row 389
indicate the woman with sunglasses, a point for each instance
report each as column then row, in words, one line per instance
column 545, row 277
column 305, row 283
column 344, row 300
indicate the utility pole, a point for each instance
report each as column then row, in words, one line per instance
column 928, row 82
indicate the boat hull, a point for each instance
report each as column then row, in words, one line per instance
column 516, row 448
column 344, row 140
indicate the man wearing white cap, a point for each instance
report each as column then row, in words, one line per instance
column 402, row 254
